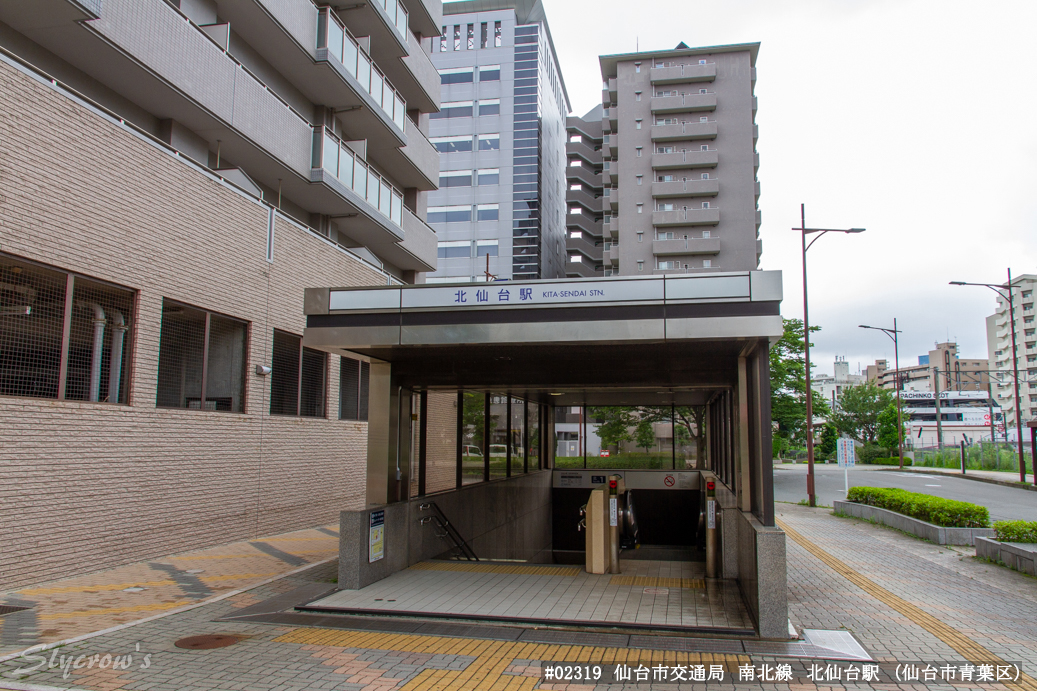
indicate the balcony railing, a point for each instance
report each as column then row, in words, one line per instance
column 335, row 157
column 333, row 35
column 397, row 15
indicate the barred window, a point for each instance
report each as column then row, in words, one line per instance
column 298, row 383
column 62, row 336
column 354, row 385
column 201, row 361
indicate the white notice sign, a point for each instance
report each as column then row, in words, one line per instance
column 845, row 453
column 613, row 511
column 711, row 514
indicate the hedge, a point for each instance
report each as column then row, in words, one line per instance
column 1015, row 531
column 887, row 461
column 944, row 512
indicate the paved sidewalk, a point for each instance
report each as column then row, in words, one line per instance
column 904, row 599
column 67, row 608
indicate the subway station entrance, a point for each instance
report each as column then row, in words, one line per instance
column 477, row 512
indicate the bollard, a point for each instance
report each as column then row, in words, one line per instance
column 711, row 529
column 963, row 457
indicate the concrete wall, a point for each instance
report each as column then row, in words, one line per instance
column 90, row 486
column 505, row 519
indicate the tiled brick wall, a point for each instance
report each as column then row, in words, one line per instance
column 90, row 486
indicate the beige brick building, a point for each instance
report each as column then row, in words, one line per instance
column 145, row 286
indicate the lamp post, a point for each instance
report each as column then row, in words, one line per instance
column 892, row 333
column 804, row 231
column 1015, row 367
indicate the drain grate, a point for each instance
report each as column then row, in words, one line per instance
column 10, row 609
column 207, row 642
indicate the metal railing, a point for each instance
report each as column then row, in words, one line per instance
column 331, row 154
column 449, row 533
column 333, row 35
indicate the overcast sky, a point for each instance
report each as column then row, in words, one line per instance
column 912, row 119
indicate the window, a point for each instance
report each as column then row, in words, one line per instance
column 489, row 176
column 637, row 95
column 705, row 205
column 664, row 207
column 668, row 264
column 456, row 75
column 705, row 176
column 486, row 247
column 489, row 73
column 453, row 109
column 442, row 40
column 703, row 118
column 33, row 335
column 484, row 36
column 664, row 150
column 297, row 383
column 637, row 67
column 707, row 263
column 354, row 385
column 704, row 147
column 705, row 233
column 487, row 212
column 489, row 106
column 457, row 37
column 455, row 178
column 471, row 37
column 489, row 142
column 640, row 179
column 640, row 264
column 665, row 235
column 640, row 208
column 640, row 236
column 498, row 35
column 667, row 178
column 638, row 121
column 666, row 121
column 449, row 214
column 664, row 93
column 452, row 249
column 446, row 145
column 702, row 62
column 638, row 150
column 201, row 362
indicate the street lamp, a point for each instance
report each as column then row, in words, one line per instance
column 1015, row 368
column 892, row 333
column 806, row 340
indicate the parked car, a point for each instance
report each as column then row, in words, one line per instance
column 471, row 450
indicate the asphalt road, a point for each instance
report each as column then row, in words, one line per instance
column 1004, row 503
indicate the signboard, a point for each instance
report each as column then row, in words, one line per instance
column 613, row 511
column 845, row 453
column 711, row 514
column 376, row 537
column 543, row 294
column 570, row 480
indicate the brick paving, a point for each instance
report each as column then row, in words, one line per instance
column 982, row 604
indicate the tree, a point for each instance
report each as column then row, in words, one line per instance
column 688, row 422
column 788, row 386
column 859, row 408
column 614, row 423
column 644, row 436
column 829, row 437
column 888, row 420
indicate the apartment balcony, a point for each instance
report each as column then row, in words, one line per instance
column 684, row 103
column 686, row 246
column 613, row 252
column 426, row 16
column 583, row 176
column 579, row 269
column 686, row 188
column 609, row 92
column 685, row 159
column 690, row 270
column 387, row 23
column 611, row 143
column 684, row 131
column 584, row 246
column 584, row 151
column 584, row 224
column 686, row 217
column 416, row 77
column 756, row 190
column 610, row 119
column 419, row 249
column 611, row 229
column 583, row 198
column 609, row 174
column 759, row 219
column 683, row 73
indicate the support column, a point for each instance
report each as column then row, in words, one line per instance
column 742, row 437
column 382, row 433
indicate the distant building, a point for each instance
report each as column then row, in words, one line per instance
column 831, row 386
column 954, row 373
column 584, row 243
column 999, row 341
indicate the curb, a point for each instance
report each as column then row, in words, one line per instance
column 974, row 478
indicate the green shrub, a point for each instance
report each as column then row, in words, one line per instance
column 869, row 452
column 887, row 461
column 1015, row 531
column 944, row 512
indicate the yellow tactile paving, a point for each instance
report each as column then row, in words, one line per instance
column 659, row 582
column 968, row 648
column 492, row 657
column 156, row 607
column 499, row 568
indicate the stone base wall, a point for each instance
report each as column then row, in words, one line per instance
column 927, row 531
column 1016, row 555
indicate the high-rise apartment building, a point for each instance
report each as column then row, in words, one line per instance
column 501, row 132
column 680, row 161
column 999, row 340
column 175, row 174
column 941, row 369
column 585, row 245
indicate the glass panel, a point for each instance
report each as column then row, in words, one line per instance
column 345, row 167
column 225, row 375
column 401, row 20
column 330, row 162
column 498, row 436
column 388, row 99
column 349, row 55
column 517, row 436
column 384, row 198
column 372, row 188
column 335, row 38
column 284, row 379
column 376, row 87
column 89, row 376
column 348, row 389
column 180, row 357
column 533, row 434
column 396, row 213
column 359, row 178
column 363, row 71
column 314, row 376
column 441, row 443
column 32, row 317
column 472, row 448
column 633, row 437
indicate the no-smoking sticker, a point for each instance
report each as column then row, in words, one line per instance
column 669, row 480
